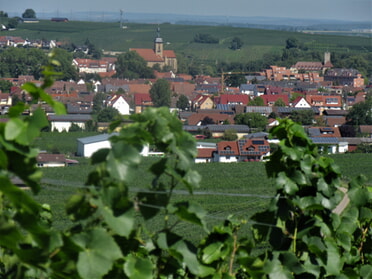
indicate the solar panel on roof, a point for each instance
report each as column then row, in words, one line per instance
column 257, row 142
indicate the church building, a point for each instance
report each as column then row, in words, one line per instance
column 158, row 55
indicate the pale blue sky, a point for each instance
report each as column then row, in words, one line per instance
column 351, row 10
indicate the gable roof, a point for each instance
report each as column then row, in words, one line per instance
column 241, row 99
column 148, row 54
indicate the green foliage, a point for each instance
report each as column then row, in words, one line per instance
column 313, row 236
column 183, row 102
column 303, row 116
column 360, row 113
column 257, row 101
column 205, row 39
column 20, row 61
column 279, row 103
column 5, row 85
column 29, row 13
column 252, row 120
column 236, row 43
column 108, row 114
column 303, row 233
column 160, row 93
column 98, row 102
column 230, row 134
column 131, row 65
column 12, row 23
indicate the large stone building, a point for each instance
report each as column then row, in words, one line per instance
column 158, row 55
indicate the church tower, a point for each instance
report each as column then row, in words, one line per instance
column 158, row 44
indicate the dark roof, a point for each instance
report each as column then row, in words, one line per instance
column 70, row 117
column 325, row 140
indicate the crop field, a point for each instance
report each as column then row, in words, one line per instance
column 238, row 189
column 256, row 42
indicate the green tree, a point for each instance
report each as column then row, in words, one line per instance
column 303, row 116
column 21, row 61
column 236, row 43
column 12, row 23
column 205, row 39
column 98, row 102
column 292, row 43
column 257, row 101
column 230, row 135
column 279, row 103
column 131, row 65
column 235, row 80
column 360, row 113
column 183, row 102
column 252, row 120
column 108, row 114
column 5, row 85
column 65, row 67
column 29, row 13
column 160, row 93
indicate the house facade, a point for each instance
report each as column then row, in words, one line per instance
column 243, row 150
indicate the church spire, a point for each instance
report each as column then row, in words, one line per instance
column 158, row 43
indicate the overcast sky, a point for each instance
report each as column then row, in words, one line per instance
column 351, row 10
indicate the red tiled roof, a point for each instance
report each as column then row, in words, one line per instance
column 142, row 98
column 273, row 98
column 196, row 118
column 148, row 54
column 226, row 99
column 205, row 152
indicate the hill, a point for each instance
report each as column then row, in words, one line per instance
column 257, row 42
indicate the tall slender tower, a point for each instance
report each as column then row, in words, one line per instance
column 158, row 43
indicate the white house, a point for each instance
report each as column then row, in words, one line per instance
column 118, row 102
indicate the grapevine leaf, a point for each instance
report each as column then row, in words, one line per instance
column 94, row 261
column 138, row 268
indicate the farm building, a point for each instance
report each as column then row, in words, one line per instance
column 89, row 145
column 62, row 123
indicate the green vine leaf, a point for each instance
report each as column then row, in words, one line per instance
column 94, row 260
column 138, row 268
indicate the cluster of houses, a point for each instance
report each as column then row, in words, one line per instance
column 328, row 92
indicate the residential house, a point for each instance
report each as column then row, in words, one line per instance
column 118, row 102
column 345, row 77
column 232, row 99
column 300, row 102
column 202, row 102
column 62, row 123
column 53, row 160
column 249, row 89
column 242, row 150
column 329, row 138
column 366, row 130
column 324, row 102
column 142, row 101
column 205, row 155
column 158, row 55
column 270, row 100
column 204, row 118
column 94, row 66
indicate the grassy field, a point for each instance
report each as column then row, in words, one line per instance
column 257, row 42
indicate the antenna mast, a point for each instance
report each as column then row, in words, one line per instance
column 121, row 18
